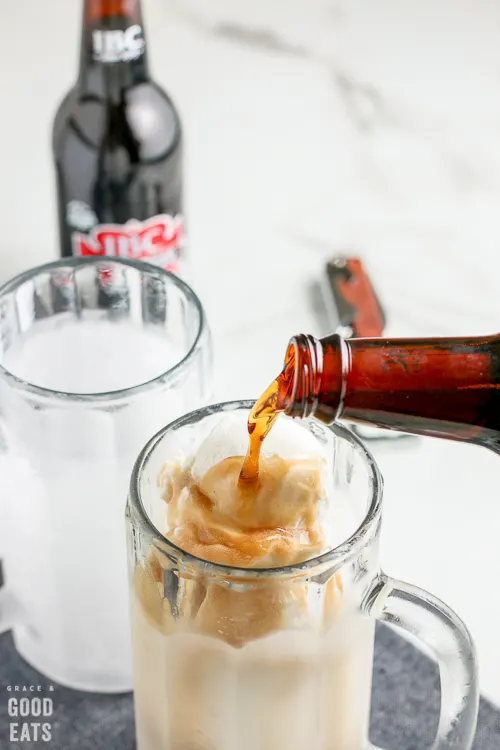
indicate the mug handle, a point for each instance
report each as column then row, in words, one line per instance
column 427, row 618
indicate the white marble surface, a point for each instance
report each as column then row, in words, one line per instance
column 316, row 126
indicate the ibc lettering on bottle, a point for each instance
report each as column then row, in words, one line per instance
column 118, row 45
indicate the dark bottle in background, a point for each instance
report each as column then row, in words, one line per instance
column 117, row 147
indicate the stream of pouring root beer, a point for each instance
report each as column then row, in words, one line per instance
column 264, row 414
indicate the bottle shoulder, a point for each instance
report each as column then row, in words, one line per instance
column 142, row 114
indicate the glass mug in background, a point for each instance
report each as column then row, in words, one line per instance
column 306, row 685
column 95, row 356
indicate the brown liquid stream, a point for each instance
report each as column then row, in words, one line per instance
column 263, row 415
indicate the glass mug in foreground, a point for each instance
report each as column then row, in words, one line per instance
column 95, row 355
column 275, row 659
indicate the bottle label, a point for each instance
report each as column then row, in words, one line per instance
column 118, row 45
column 157, row 240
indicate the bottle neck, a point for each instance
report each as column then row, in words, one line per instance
column 113, row 53
column 311, row 368
column 442, row 387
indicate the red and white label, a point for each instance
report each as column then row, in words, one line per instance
column 156, row 240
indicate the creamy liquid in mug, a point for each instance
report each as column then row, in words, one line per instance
column 280, row 665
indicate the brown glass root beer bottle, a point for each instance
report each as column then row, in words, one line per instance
column 444, row 387
column 117, row 144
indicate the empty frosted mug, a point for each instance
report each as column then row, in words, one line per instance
column 95, row 356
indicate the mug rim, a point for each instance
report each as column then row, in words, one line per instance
column 349, row 548
column 164, row 378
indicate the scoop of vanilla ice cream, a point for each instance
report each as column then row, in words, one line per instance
column 296, row 496
column 292, row 482
column 287, row 495
column 287, row 439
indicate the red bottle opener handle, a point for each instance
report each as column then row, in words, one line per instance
column 355, row 300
